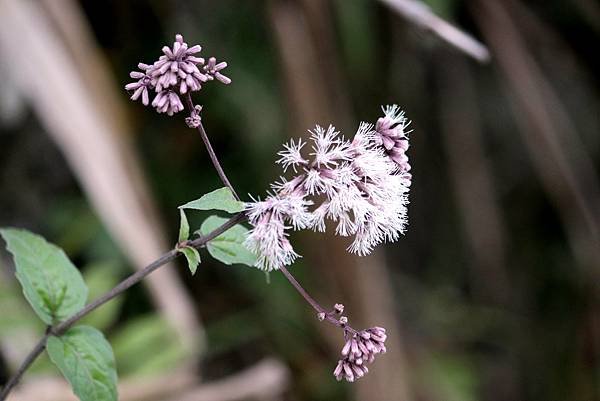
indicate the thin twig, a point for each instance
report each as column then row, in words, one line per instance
column 316, row 306
column 136, row 277
column 209, row 148
column 421, row 15
column 265, row 380
column 286, row 273
column 301, row 290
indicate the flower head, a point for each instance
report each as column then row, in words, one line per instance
column 212, row 70
column 144, row 83
column 167, row 101
column 359, row 350
column 268, row 237
column 178, row 66
column 291, row 156
column 362, row 186
column 178, row 71
column 390, row 132
column 329, row 148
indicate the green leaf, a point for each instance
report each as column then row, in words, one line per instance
column 51, row 283
column 86, row 360
column 184, row 226
column 228, row 247
column 192, row 256
column 219, row 199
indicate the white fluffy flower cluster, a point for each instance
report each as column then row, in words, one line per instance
column 362, row 186
column 268, row 239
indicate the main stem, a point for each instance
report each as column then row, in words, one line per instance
column 135, row 278
column 316, row 306
column 209, row 148
column 225, row 180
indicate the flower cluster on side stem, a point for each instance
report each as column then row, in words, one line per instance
column 177, row 72
column 359, row 350
column 360, row 347
column 361, row 185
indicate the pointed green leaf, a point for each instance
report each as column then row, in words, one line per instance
column 184, row 226
column 219, row 199
column 228, row 247
column 192, row 256
column 51, row 283
column 86, row 360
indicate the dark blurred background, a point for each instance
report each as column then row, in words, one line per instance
column 491, row 295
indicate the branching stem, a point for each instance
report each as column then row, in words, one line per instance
column 328, row 315
column 316, row 306
column 135, row 278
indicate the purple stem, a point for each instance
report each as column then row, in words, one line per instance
column 211, row 152
column 302, row 291
column 311, row 300
column 225, row 180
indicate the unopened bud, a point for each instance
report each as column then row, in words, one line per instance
column 343, row 320
column 193, row 122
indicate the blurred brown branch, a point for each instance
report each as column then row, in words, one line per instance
column 146, row 389
column 474, row 190
column 421, row 15
column 472, row 179
column 266, row 380
column 571, row 182
column 590, row 10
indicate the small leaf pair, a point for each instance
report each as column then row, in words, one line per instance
column 190, row 253
column 228, row 247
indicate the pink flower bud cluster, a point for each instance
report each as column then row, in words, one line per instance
column 360, row 185
column 360, row 349
column 177, row 72
column 390, row 131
